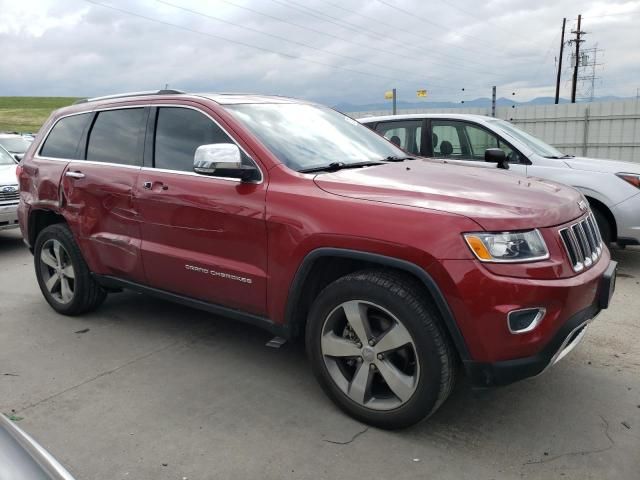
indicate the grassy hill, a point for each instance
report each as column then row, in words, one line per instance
column 27, row 114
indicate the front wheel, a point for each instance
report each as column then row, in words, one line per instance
column 378, row 349
column 63, row 276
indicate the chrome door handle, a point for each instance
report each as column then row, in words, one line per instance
column 147, row 185
column 74, row 174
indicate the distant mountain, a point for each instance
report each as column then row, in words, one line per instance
column 477, row 103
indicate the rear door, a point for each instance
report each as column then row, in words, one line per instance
column 465, row 142
column 204, row 237
column 406, row 134
column 98, row 192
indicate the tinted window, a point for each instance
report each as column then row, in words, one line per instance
column 115, row 135
column 446, row 140
column 179, row 132
column 406, row 135
column 63, row 140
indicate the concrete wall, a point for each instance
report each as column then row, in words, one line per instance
column 599, row 129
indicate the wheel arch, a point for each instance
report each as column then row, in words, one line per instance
column 597, row 204
column 39, row 219
column 324, row 265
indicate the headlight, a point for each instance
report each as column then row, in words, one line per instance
column 506, row 247
column 632, row 178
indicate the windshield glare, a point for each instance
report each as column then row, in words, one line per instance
column 538, row 146
column 6, row 158
column 15, row 144
column 306, row 136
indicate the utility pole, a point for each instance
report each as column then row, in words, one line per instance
column 394, row 101
column 493, row 102
column 564, row 23
column 578, row 33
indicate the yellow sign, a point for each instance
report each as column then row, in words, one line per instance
column 388, row 95
column 421, row 93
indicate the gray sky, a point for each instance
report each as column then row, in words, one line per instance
column 327, row 50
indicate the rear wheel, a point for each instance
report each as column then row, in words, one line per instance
column 63, row 275
column 378, row 349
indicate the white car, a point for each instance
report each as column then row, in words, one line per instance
column 9, row 191
column 611, row 187
column 15, row 144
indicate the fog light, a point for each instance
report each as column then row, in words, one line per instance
column 525, row 320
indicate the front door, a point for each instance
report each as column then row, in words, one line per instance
column 99, row 193
column 203, row 237
column 464, row 143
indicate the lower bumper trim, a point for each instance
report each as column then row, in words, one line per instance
column 510, row 371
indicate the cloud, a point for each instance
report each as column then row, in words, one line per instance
column 326, row 50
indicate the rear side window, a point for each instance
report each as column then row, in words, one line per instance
column 63, row 140
column 179, row 132
column 406, row 135
column 116, row 137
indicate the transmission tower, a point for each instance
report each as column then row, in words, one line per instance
column 587, row 67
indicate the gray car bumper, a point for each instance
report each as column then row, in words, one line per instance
column 8, row 216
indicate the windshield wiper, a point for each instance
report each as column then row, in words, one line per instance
column 392, row 158
column 335, row 166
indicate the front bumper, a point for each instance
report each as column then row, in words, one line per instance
column 566, row 339
column 627, row 215
column 8, row 216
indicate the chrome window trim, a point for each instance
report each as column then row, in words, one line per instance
column 141, row 167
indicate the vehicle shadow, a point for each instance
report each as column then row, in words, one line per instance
column 10, row 242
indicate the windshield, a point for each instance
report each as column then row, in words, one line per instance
column 15, row 144
column 6, row 158
column 311, row 136
column 538, row 146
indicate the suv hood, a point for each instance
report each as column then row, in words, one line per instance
column 496, row 199
column 601, row 165
column 8, row 175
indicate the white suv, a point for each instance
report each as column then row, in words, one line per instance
column 9, row 192
column 612, row 187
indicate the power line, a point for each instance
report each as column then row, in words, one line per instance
column 422, row 37
column 371, row 33
column 426, row 20
column 395, row 54
column 302, row 44
column 248, row 45
column 471, row 15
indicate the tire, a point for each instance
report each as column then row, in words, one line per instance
column 603, row 225
column 422, row 371
column 63, row 275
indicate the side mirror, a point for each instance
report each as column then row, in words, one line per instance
column 223, row 160
column 495, row 155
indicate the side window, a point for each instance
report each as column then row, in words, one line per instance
column 447, row 140
column 63, row 140
column 179, row 132
column 479, row 140
column 406, row 135
column 115, row 137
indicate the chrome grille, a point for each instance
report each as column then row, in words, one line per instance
column 9, row 196
column 582, row 242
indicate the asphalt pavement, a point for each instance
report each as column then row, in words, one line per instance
column 145, row 389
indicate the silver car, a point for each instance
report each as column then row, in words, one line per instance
column 22, row 458
column 612, row 187
column 9, row 191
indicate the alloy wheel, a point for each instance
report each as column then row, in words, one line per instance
column 57, row 271
column 370, row 355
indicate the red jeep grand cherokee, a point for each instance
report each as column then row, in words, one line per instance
column 291, row 216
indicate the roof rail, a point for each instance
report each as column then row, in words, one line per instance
column 129, row 94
